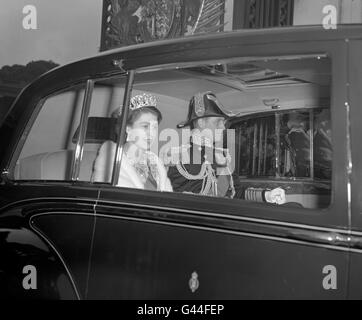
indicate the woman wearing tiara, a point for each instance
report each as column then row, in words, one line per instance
column 140, row 167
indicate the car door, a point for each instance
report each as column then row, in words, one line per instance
column 354, row 116
column 152, row 245
column 47, row 214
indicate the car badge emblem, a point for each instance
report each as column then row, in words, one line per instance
column 194, row 282
column 199, row 105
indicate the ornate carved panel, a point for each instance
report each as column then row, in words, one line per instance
column 250, row 14
column 126, row 22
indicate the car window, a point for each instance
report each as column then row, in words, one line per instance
column 244, row 129
column 291, row 144
column 48, row 150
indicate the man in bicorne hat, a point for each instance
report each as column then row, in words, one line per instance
column 203, row 166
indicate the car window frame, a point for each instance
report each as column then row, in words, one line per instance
column 35, row 108
column 87, row 84
column 334, row 215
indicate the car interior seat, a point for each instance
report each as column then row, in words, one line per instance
column 54, row 166
column 57, row 165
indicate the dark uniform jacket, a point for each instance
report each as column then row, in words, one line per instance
column 192, row 157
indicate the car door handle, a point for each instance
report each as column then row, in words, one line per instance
column 331, row 238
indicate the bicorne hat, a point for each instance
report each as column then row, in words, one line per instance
column 203, row 105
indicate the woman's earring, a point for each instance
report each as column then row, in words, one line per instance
column 129, row 136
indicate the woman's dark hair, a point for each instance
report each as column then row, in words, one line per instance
column 132, row 117
column 135, row 114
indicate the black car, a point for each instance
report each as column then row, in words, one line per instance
column 295, row 95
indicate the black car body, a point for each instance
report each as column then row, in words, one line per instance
column 91, row 240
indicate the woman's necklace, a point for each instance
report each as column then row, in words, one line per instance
column 138, row 159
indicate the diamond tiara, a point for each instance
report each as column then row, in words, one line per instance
column 143, row 100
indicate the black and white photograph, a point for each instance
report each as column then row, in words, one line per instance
column 180, row 154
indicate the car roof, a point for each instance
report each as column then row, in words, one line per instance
column 245, row 36
column 186, row 49
column 263, row 35
column 130, row 54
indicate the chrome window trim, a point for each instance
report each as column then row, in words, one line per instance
column 229, row 60
column 100, row 202
column 326, row 244
column 79, row 148
column 122, row 120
